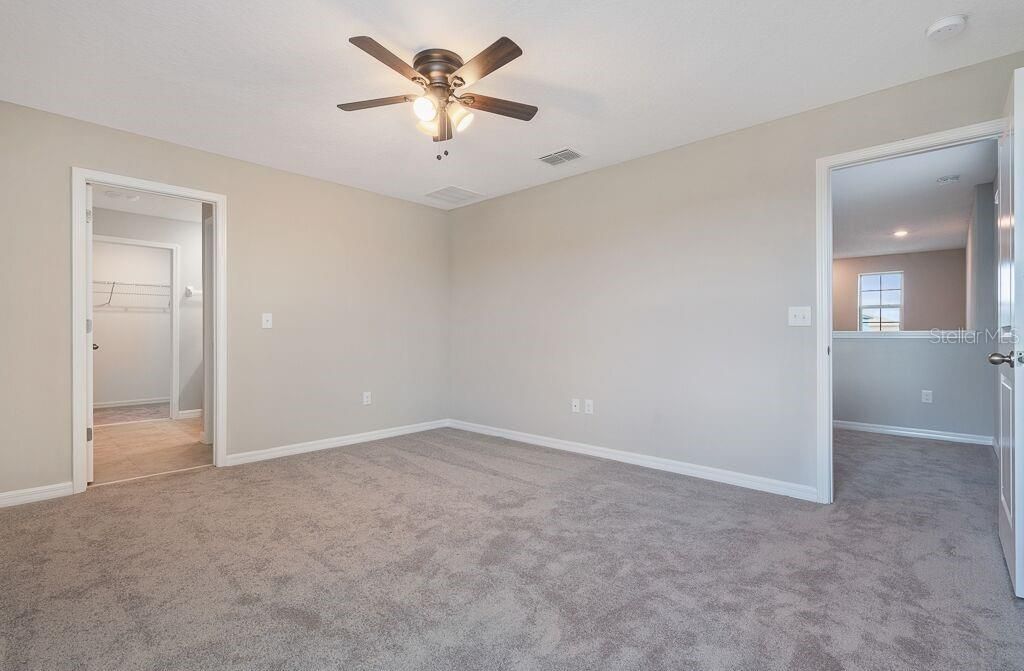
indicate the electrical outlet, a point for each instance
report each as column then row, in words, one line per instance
column 268, row 320
column 367, row 398
column 926, row 395
column 575, row 405
column 588, row 407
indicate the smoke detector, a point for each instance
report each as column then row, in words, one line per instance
column 947, row 27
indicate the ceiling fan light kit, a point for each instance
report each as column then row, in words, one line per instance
column 425, row 108
column 441, row 109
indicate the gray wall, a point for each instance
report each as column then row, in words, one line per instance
column 659, row 287
column 934, row 288
column 879, row 381
column 981, row 261
column 358, row 284
column 189, row 237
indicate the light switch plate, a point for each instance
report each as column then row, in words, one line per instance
column 268, row 320
column 800, row 315
column 574, row 405
column 367, row 398
column 588, row 407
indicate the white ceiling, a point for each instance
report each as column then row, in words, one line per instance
column 870, row 202
column 259, row 79
column 140, row 202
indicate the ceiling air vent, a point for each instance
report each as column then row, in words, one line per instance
column 561, row 156
column 453, row 195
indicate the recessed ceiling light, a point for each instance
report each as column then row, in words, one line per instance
column 947, row 27
column 133, row 198
column 948, row 179
column 112, row 194
column 900, row 234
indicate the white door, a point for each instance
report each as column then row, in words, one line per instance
column 1010, row 195
column 89, row 346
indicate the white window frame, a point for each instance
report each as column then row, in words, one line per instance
column 860, row 296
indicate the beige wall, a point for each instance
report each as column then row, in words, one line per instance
column 358, row 284
column 659, row 287
column 934, row 288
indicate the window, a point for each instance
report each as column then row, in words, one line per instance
column 881, row 301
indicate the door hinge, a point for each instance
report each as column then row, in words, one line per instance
column 88, row 435
column 88, row 216
column 88, row 326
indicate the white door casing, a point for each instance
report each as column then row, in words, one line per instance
column 82, row 180
column 90, row 333
column 825, row 166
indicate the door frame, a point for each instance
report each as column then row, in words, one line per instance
column 81, row 286
column 824, row 167
column 175, row 250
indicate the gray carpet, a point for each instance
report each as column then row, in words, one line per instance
column 449, row 550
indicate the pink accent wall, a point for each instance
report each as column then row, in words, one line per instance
column 934, row 288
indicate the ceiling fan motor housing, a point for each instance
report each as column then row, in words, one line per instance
column 437, row 65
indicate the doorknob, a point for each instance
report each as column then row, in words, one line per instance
column 995, row 358
column 96, row 347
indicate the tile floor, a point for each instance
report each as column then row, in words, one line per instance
column 124, row 451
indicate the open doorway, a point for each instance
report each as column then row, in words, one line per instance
column 148, row 369
column 914, row 299
column 906, row 288
column 149, row 365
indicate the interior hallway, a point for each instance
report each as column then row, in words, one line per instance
column 450, row 549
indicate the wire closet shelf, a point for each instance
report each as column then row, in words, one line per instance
column 131, row 295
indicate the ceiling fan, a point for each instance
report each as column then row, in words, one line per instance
column 441, row 108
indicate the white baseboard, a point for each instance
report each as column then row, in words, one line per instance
column 137, row 401
column 19, row 496
column 328, row 443
column 803, row 492
column 189, row 414
column 947, row 436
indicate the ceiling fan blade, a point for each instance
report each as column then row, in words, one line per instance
column 444, row 127
column 376, row 102
column 500, row 53
column 377, row 50
column 498, row 106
